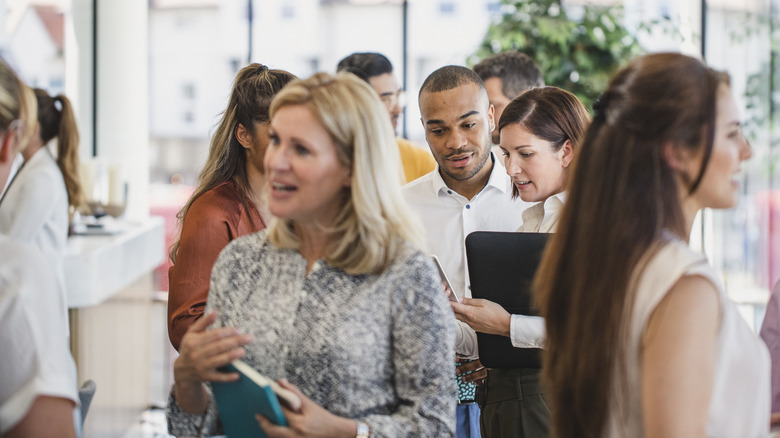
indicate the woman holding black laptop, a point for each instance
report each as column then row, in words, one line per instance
column 539, row 131
column 334, row 299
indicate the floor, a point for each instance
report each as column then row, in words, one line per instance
column 151, row 424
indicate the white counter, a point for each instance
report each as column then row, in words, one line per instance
column 97, row 267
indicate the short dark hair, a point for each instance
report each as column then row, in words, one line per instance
column 449, row 77
column 365, row 65
column 517, row 71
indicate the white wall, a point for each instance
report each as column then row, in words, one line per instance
column 122, row 90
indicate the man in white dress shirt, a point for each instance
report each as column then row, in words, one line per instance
column 468, row 191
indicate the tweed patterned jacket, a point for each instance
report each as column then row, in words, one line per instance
column 378, row 348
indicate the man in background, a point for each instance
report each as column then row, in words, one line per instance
column 506, row 75
column 377, row 70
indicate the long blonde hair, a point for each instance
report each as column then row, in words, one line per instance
column 253, row 89
column 373, row 223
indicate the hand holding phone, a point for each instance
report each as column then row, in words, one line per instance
column 445, row 281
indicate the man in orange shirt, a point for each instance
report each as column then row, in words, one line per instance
column 377, row 70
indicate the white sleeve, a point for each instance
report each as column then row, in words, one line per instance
column 527, row 331
column 466, row 341
column 19, row 358
column 31, row 335
column 33, row 206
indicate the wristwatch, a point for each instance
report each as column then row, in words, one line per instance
column 362, row 430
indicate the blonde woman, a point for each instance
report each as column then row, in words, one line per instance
column 335, row 296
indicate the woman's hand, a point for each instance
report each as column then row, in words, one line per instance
column 201, row 352
column 483, row 316
column 310, row 421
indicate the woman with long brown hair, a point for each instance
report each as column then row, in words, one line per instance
column 641, row 338
column 226, row 204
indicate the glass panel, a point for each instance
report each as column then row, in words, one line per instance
column 32, row 41
column 740, row 242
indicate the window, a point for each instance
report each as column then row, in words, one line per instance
column 494, row 7
column 288, row 12
column 447, row 8
column 742, row 243
column 188, row 91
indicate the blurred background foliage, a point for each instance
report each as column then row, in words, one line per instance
column 577, row 47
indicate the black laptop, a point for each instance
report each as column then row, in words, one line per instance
column 501, row 269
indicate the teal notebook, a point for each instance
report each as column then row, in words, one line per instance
column 251, row 394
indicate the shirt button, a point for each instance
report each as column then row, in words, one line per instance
column 449, row 192
column 468, row 206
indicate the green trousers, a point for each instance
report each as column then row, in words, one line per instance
column 513, row 405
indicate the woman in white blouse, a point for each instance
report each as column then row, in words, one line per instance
column 35, row 207
column 539, row 131
column 37, row 202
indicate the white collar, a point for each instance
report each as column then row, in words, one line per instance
column 497, row 179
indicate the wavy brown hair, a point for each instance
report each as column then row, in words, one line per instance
column 57, row 119
column 550, row 113
column 253, row 90
column 622, row 196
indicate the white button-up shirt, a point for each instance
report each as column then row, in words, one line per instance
column 543, row 216
column 449, row 217
column 528, row 331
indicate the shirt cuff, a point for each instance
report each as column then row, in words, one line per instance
column 527, row 331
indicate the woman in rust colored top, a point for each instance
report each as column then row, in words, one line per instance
column 226, row 203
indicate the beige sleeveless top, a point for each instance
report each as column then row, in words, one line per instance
column 740, row 403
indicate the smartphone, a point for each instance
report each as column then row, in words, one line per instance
column 445, row 281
